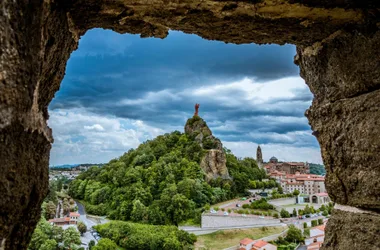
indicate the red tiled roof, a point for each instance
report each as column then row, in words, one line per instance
column 74, row 214
column 246, row 241
column 57, row 220
column 260, row 243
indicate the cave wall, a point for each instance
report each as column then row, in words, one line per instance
column 337, row 51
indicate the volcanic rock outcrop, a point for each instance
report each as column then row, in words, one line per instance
column 338, row 51
column 214, row 161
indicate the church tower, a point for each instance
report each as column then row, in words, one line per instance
column 259, row 157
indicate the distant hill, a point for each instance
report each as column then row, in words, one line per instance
column 65, row 166
column 318, row 169
column 70, row 166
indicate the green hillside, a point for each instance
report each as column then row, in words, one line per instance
column 162, row 182
column 317, row 169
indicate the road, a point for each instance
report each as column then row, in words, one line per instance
column 87, row 236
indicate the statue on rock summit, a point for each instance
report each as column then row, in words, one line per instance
column 196, row 109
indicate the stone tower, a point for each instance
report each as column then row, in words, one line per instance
column 259, row 157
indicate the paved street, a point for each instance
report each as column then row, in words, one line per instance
column 86, row 237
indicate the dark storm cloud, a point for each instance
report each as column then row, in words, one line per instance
column 155, row 80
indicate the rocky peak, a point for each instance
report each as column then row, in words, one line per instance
column 214, row 161
column 197, row 128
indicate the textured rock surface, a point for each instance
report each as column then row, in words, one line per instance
column 352, row 231
column 214, row 161
column 214, row 165
column 338, row 53
column 345, row 116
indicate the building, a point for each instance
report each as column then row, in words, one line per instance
column 287, row 167
column 259, row 157
column 305, row 183
column 263, row 245
column 249, row 244
column 246, row 244
column 320, row 198
column 317, row 236
column 72, row 219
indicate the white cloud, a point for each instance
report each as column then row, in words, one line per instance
column 77, row 138
column 251, row 92
column 96, row 127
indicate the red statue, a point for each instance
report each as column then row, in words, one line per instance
column 196, row 109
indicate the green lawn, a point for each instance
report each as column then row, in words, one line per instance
column 228, row 238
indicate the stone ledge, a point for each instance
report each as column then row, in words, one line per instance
column 346, row 230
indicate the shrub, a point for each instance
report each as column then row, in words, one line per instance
column 320, row 221
column 223, row 209
column 207, row 207
column 261, row 204
column 314, row 223
column 216, row 208
column 229, row 211
column 275, row 215
column 304, row 225
column 325, row 213
column 245, row 206
column 284, row 213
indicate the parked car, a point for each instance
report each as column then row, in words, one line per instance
column 225, row 213
column 213, row 211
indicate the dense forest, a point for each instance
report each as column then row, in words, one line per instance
column 161, row 182
column 317, row 169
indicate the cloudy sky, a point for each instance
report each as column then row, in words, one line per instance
column 120, row 90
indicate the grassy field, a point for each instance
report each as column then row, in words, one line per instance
column 228, row 238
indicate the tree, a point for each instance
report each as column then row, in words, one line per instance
column 91, row 244
column 284, row 213
column 49, row 245
column 306, row 232
column 294, row 235
column 105, row 244
column 294, row 212
column 296, row 192
column 50, row 210
column 38, row 239
column 139, row 212
column 279, row 189
column 304, row 225
column 314, row 223
column 275, row 215
column 82, row 228
column 320, row 221
column 71, row 237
